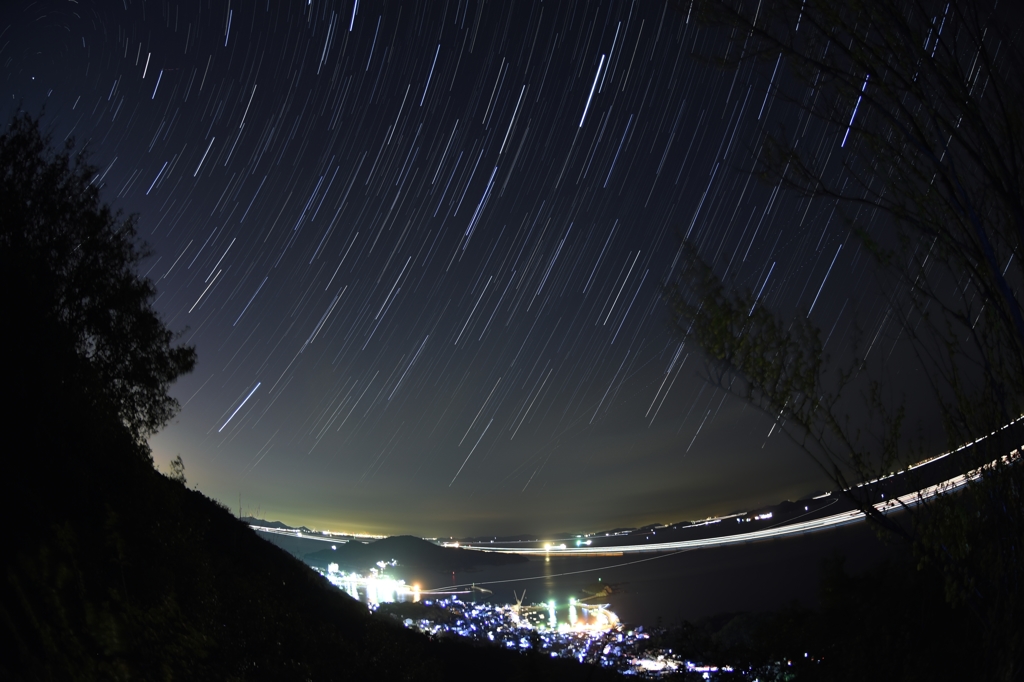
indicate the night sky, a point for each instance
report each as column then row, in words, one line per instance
column 419, row 249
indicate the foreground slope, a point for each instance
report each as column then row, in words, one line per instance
column 114, row 571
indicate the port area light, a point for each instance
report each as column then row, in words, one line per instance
column 377, row 587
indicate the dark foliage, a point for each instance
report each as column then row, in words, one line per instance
column 69, row 266
column 888, row 623
column 927, row 178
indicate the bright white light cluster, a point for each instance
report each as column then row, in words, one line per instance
column 374, row 589
column 587, row 633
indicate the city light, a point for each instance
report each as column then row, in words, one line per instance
column 587, row 633
column 374, row 589
column 590, row 633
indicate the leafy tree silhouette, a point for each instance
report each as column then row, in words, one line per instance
column 923, row 102
column 80, row 312
column 178, row 471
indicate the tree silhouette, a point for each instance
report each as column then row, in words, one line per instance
column 918, row 106
column 69, row 268
column 177, row 472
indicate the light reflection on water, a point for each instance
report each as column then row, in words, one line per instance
column 675, row 586
column 539, row 582
column 670, row 588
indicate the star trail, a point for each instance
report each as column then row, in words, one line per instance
column 419, row 248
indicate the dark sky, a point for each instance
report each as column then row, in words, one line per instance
column 418, row 247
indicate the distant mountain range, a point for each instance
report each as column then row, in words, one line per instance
column 410, row 552
column 253, row 521
column 785, row 507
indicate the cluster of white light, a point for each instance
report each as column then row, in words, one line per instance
column 378, row 587
column 655, row 665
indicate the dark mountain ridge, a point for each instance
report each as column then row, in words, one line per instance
column 408, row 551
